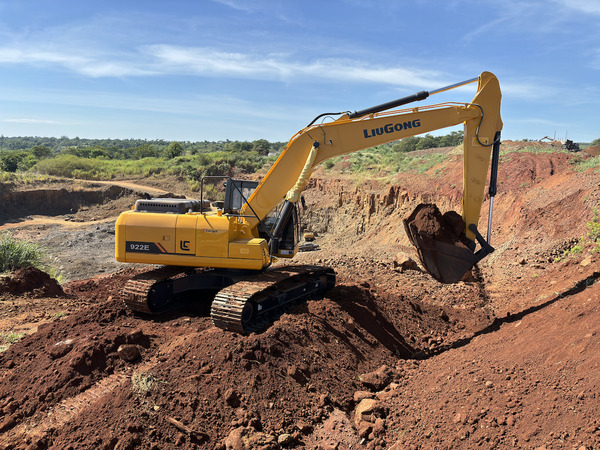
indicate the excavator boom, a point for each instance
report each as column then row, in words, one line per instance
column 375, row 126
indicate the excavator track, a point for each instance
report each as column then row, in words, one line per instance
column 243, row 303
column 147, row 292
column 254, row 303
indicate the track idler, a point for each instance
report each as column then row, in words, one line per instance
column 443, row 249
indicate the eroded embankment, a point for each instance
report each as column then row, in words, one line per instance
column 52, row 202
column 542, row 207
column 341, row 212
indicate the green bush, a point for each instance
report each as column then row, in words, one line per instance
column 15, row 254
column 69, row 166
column 593, row 233
column 11, row 161
column 219, row 167
column 174, row 150
column 589, row 242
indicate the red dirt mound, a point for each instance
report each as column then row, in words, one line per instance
column 196, row 385
column 594, row 150
column 30, row 280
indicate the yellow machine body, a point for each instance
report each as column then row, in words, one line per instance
column 191, row 239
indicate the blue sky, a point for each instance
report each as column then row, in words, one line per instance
column 246, row 70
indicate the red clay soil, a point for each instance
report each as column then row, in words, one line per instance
column 593, row 150
column 391, row 358
column 30, row 280
column 430, row 223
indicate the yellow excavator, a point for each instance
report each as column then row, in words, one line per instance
column 222, row 255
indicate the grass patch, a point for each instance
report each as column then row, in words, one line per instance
column 384, row 162
column 533, row 149
column 589, row 242
column 15, row 254
column 23, row 178
column 593, row 233
column 7, row 339
column 420, row 164
column 191, row 167
column 142, row 384
column 581, row 165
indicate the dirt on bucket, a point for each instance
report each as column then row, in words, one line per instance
column 441, row 243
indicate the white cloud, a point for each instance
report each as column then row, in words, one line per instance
column 163, row 59
column 275, row 10
column 90, row 65
column 206, row 61
column 194, row 105
column 24, row 55
column 240, row 5
column 211, row 62
column 535, row 121
column 533, row 17
column 33, row 121
column 527, row 89
column 584, row 6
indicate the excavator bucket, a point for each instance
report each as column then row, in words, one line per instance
column 441, row 244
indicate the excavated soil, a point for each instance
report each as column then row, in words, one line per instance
column 391, row 358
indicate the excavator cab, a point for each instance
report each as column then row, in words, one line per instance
column 237, row 193
column 281, row 229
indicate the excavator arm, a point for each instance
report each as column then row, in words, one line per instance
column 374, row 126
column 356, row 131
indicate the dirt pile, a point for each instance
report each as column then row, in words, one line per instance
column 32, row 281
column 529, row 381
column 428, row 222
column 593, row 150
column 275, row 386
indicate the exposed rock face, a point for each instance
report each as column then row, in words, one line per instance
column 54, row 201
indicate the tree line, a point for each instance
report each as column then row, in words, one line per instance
column 100, row 157
column 24, row 153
